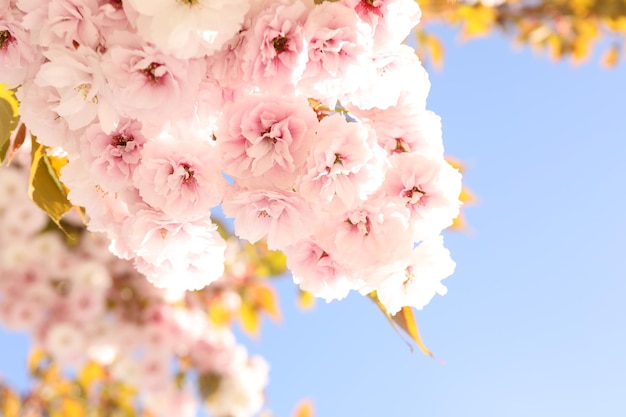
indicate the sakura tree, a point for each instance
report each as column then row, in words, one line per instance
column 304, row 122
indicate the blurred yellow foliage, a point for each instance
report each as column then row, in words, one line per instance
column 303, row 409
column 562, row 28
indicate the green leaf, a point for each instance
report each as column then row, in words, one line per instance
column 45, row 188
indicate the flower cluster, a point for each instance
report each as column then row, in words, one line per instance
column 305, row 120
column 79, row 303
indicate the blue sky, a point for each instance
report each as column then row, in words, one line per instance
column 534, row 320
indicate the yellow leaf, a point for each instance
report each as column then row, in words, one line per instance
column 44, row 188
column 581, row 48
column 9, row 96
column 478, row 19
column 436, row 51
column 303, row 409
column 617, row 23
column 70, row 407
column 467, row 196
column 459, row 223
column 306, row 300
column 555, row 44
column 266, row 299
column 10, row 403
column 249, row 319
column 35, row 358
column 90, row 373
column 219, row 314
column 455, row 163
column 8, row 119
column 268, row 263
column 610, row 57
column 581, row 7
column 405, row 320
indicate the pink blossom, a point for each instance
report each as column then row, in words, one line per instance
column 428, row 188
column 315, row 271
column 147, row 84
column 264, row 140
column 78, row 80
column 36, row 111
column 403, row 129
column 110, row 17
column 283, row 217
column 275, row 54
column 105, row 210
column 185, row 255
column 369, row 238
column 63, row 22
column 215, row 351
column 19, row 59
column 419, row 279
column 345, row 164
column 390, row 20
column 85, row 304
column 65, row 341
column 338, row 47
column 179, row 175
column 25, row 315
column 112, row 157
column 172, row 401
column 189, row 29
column 395, row 74
column 240, row 393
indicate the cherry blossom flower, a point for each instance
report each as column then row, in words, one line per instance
column 65, row 342
column 315, row 271
column 395, row 74
column 264, row 140
column 36, row 111
column 314, row 113
column 78, row 80
column 146, row 84
column 429, row 189
column 238, row 394
column 188, row 29
column 112, row 157
column 370, row 238
column 185, row 255
column 282, row 217
column 179, row 175
column 390, row 20
column 420, row 279
column 338, row 50
column 19, row 58
column 404, row 129
column 274, row 54
column 63, row 23
column 344, row 164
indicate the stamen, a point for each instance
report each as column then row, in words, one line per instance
column 149, row 72
column 121, row 140
column 280, row 44
column 5, row 38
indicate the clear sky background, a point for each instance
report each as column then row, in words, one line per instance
column 534, row 320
